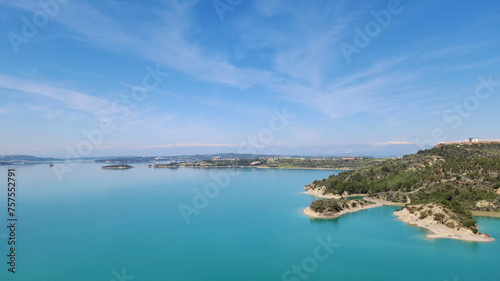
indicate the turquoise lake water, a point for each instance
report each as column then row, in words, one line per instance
column 126, row 225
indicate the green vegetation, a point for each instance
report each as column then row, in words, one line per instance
column 179, row 159
column 169, row 165
column 456, row 176
column 248, row 160
column 25, row 160
column 335, row 205
column 291, row 163
column 117, row 167
column 445, row 215
column 335, row 163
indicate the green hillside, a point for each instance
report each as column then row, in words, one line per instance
column 461, row 177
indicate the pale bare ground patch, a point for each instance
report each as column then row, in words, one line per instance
column 440, row 230
column 331, row 215
column 486, row 214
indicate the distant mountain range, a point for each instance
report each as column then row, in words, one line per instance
column 361, row 150
column 199, row 154
column 388, row 149
column 24, row 159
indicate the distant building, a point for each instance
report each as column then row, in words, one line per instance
column 473, row 140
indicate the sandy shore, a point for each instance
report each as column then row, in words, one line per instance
column 328, row 215
column 319, row 193
column 440, row 230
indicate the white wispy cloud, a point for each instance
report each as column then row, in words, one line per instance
column 69, row 98
column 54, row 113
column 475, row 64
column 164, row 40
column 300, row 72
column 90, row 24
column 452, row 51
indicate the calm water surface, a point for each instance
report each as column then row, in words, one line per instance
column 96, row 224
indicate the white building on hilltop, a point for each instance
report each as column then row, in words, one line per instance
column 473, row 140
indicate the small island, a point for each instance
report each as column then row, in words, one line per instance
column 117, row 167
column 169, row 165
column 439, row 189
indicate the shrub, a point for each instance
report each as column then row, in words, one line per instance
column 450, row 224
column 439, row 217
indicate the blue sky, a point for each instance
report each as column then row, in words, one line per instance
column 426, row 72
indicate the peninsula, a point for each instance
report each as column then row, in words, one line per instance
column 438, row 189
column 333, row 208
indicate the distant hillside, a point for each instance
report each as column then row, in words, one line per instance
column 461, row 177
column 24, row 159
column 181, row 158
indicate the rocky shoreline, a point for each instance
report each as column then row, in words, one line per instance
column 438, row 221
column 330, row 215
